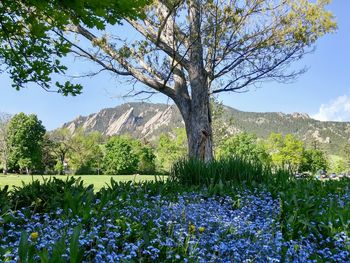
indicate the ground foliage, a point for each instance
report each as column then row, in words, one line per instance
column 277, row 219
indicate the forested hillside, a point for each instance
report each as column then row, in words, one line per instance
column 148, row 121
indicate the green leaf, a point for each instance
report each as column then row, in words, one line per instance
column 76, row 253
column 23, row 248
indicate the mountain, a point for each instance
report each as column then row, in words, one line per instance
column 140, row 120
column 148, row 121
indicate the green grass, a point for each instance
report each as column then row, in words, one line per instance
column 97, row 180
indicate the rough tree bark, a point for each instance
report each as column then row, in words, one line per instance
column 196, row 115
column 197, row 118
column 199, row 130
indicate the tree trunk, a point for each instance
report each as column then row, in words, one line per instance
column 4, row 159
column 197, row 118
column 4, row 163
column 199, row 135
column 195, row 109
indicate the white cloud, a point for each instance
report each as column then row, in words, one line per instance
column 336, row 110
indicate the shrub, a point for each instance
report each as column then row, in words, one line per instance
column 86, row 170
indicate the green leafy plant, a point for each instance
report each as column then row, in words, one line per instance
column 51, row 194
column 234, row 170
column 4, row 197
column 76, row 253
column 26, row 250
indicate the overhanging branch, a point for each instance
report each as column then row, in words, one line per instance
column 110, row 50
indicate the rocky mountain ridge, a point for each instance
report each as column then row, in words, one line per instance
column 148, row 121
column 141, row 120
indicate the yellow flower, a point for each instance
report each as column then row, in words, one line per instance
column 201, row 229
column 34, row 236
column 192, row 228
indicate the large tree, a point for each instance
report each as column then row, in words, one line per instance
column 286, row 152
column 25, row 138
column 120, row 156
column 189, row 50
column 85, row 155
column 313, row 160
column 62, row 143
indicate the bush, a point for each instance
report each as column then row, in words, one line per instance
column 86, row 170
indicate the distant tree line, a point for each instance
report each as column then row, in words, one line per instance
column 26, row 147
column 285, row 152
column 278, row 151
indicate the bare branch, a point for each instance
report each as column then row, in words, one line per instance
column 258, row 75
column 160, row 42
column 110, row 50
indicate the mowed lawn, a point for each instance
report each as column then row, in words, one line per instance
column 97, row 180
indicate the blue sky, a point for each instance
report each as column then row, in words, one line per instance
column 323, row 91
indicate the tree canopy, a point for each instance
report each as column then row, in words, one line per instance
column 171, row 148
column 25, row 138
column 120, row 157
column 85, row 156
column 186, row 50
column 314, row 160
column 245, row 146
column 31, row 37
column 286, row 151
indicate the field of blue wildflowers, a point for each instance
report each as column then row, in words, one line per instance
column 284, row 220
